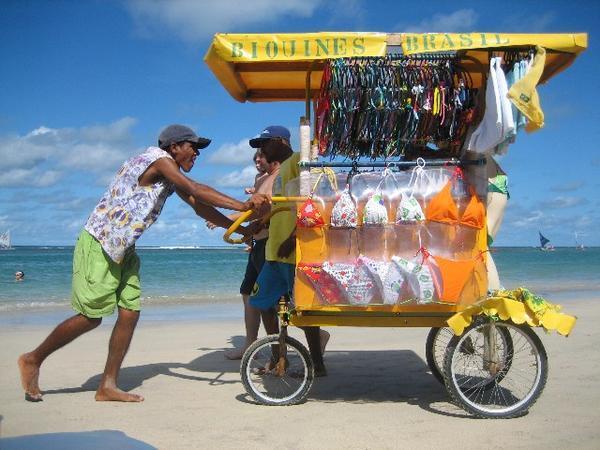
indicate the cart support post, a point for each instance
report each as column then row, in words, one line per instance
column 490, row 349
column 304, row 155
column 283, row 316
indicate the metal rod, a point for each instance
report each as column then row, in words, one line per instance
column 397, row 164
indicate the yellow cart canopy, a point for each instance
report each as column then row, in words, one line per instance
column 273, row 67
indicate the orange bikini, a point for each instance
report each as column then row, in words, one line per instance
column 455, row 276
column 442, row 208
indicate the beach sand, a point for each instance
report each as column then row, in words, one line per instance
column 379, row 394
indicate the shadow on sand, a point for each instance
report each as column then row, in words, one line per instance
column 365, row 376
column 90, row 440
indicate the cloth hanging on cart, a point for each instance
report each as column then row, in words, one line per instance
column 356, row 283
column 375, row 212
column 387, row 277
column 344, row 214
column 323, row 283
column 409, row 210
column 309, row 215
column 443, row 209
column 524, row 94
column 519, row 69
column 497, row 122
column 419, row 278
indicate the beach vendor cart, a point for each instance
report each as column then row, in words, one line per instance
column 397, row 136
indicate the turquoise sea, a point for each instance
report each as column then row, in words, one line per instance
column 177, row 279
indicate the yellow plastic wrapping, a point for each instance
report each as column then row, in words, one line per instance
column 520, row 306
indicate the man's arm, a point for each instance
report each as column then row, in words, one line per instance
column 287, row 247
column 215, row 217
column 202, row 193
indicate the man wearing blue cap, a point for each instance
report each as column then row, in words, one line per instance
column 105, row 264
column 273, row 147
column 271, row 132
column 276, row 278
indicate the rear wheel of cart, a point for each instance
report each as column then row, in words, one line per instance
column 260, row 377
column 435, row 350
column 496, row 369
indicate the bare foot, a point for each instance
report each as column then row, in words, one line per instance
column 106, row 394
column 235, row 353
column 30, row 372
column 323, row 339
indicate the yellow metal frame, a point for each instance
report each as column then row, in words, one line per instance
column 366, row 319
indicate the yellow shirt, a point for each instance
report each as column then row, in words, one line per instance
column 283, row 223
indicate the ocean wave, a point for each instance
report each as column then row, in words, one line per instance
column 33, row 305
column 557, row 286
column 150, row 300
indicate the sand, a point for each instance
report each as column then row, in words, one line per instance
column 379, row 394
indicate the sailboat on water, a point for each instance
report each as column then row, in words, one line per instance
column 545, row 244
column 578, row 245
column 5, row 241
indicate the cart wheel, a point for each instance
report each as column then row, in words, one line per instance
column 435, row 350
column 266, row 386
column 502, row 380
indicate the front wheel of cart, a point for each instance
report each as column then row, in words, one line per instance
column 496, row 369
column 262, row 380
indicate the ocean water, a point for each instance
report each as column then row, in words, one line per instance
column 168, row 276
column 189, row 277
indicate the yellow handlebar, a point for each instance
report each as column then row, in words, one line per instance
column 235, row 225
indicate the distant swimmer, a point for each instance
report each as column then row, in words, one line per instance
column 19, row 276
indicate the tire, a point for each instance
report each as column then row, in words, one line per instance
column 508, row 387
column 268, row 388
column 435, row 350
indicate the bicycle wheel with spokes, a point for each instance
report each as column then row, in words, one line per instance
column 435, row 350
column 496, row 370
column 263, row 382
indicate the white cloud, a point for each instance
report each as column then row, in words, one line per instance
column 458, row 21
column 39, row 157
column 513, row 20
column 96, row 157
column 563, row 202
column 568, row 187
column 527, row 220
column 238, row 178
column 29, row 177
column 232, row 154
column 194, row 20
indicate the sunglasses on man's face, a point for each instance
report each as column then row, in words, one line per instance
column 195, row 149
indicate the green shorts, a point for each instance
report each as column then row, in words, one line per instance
column 99, row 283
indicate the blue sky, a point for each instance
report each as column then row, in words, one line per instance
column 84, row 85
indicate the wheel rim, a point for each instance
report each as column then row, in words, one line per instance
column 269, row 386
column 501, row 386
column 440, row 344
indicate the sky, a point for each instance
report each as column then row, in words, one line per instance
column 86, row 84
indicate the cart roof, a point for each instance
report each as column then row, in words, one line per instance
column 273, row 67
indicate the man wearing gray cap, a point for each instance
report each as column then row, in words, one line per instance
column 105, row 264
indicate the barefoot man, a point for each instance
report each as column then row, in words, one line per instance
column 105, row 264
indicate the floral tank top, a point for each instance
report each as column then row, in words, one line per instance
column 126, row 209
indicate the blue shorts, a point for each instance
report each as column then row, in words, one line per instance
column 275, row 279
